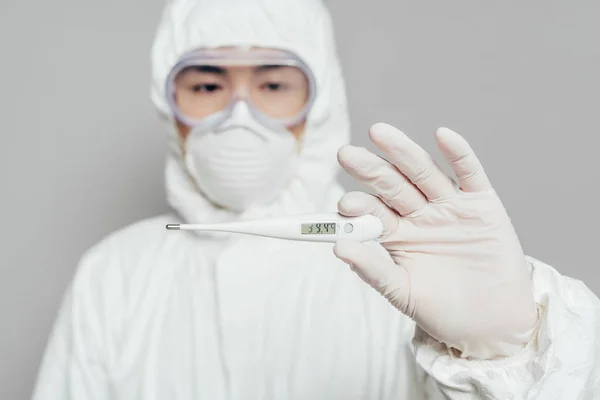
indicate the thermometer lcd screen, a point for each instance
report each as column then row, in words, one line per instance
column 318, row 228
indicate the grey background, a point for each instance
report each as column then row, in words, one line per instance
column 82, row 151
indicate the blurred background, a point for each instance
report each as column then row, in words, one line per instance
column 82, row 150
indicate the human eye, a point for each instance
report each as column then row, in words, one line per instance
column 275, row 86
column 205, row 87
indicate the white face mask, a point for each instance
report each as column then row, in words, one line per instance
column 241, row 163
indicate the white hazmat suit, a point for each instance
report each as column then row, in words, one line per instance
column 156, row 314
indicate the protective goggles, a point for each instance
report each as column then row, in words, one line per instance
column 206, row 85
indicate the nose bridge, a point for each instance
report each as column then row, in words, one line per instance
column 242, row 83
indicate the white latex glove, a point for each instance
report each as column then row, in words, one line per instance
column 453, row 262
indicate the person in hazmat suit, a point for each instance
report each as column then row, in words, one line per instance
column 252, row 95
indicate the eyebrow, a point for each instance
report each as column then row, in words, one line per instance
column 269, row 67
column 210, row 69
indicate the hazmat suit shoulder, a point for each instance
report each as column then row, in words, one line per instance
column 122, row 253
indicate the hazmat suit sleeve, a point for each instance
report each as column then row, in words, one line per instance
column 74, row 362
column 561, row 361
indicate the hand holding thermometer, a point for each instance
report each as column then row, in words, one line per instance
column 312, row 228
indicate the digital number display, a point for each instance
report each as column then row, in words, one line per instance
column 325, row 228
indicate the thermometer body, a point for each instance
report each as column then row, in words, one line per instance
column 329, row 227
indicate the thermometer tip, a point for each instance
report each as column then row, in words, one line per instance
column 173, row 227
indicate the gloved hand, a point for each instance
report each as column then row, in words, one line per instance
column 452, row 260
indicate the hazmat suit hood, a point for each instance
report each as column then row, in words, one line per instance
column 303, row 27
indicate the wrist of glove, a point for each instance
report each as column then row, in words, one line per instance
column 481, row 348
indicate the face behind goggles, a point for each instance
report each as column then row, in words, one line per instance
column 206, row 85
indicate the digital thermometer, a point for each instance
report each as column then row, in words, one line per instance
column 312, row 228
